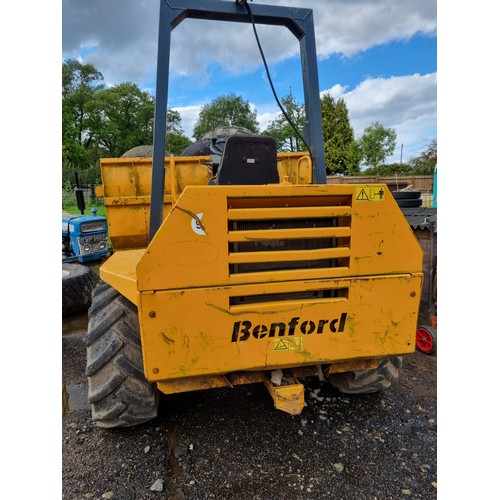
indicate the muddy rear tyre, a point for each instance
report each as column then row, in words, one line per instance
column 77, row 284
column 119, row 394
column 368, row 381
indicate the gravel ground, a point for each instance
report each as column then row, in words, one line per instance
column 232, row 443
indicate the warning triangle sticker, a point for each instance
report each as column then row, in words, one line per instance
column 362, row 196
column 281, row 346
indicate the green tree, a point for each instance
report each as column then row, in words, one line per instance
column 282, row 131
column 342, row 154
column 122, row 118
column 225, row 111
column 102, row 122
column 425, row 163
column 177, row 142
column 81, row 83
column 376, row 144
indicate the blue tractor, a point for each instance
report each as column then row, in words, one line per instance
column 84, row 242
column 84, row 238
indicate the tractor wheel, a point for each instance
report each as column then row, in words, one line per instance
column 426, row 339
column 77, row 284
column 119, row 393
column 368, row 381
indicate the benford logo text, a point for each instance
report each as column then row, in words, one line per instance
column 243, row 329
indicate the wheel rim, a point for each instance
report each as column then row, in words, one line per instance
column 424, row 340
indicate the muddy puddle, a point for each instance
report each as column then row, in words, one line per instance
column 75, row 324
column 75, row 389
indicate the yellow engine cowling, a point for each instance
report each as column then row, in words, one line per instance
column 241, row 279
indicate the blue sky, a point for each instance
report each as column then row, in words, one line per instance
column 379, row 55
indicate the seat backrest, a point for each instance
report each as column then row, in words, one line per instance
column 249, row 160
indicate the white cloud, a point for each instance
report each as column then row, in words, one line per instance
column 350, row 27
column 336, row 91
column 405, row 103
column 189, row 116
column 265, row 119
column 120, row 36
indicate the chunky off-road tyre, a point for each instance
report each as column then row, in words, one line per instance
column 368, row 381
column 218, row 135
column 198, row 148
column 119, row 394
column 77, row 285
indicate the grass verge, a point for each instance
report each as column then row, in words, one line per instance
column 73, row 209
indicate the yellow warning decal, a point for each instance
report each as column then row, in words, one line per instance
column 375, row 193
column 286, row 344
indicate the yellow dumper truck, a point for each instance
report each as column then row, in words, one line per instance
column 247, row 269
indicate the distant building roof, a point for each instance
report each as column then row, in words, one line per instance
column 421, row 217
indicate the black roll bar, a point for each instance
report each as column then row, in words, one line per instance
column 298, row 21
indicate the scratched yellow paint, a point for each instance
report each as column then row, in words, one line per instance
column 203, row 315
column 200, row 326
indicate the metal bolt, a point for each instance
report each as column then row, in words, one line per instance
column 152, row 314
column 155, row 370
column 412, row 294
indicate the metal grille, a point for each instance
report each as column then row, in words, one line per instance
column 319, row 240
column 94, row 246
column 290, row 296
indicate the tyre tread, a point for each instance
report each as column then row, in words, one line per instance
column 119, row 393
column 77, row 289
column 368, row 381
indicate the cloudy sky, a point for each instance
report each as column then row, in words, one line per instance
column 379, row 55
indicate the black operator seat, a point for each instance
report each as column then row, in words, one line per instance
column 249, row 160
